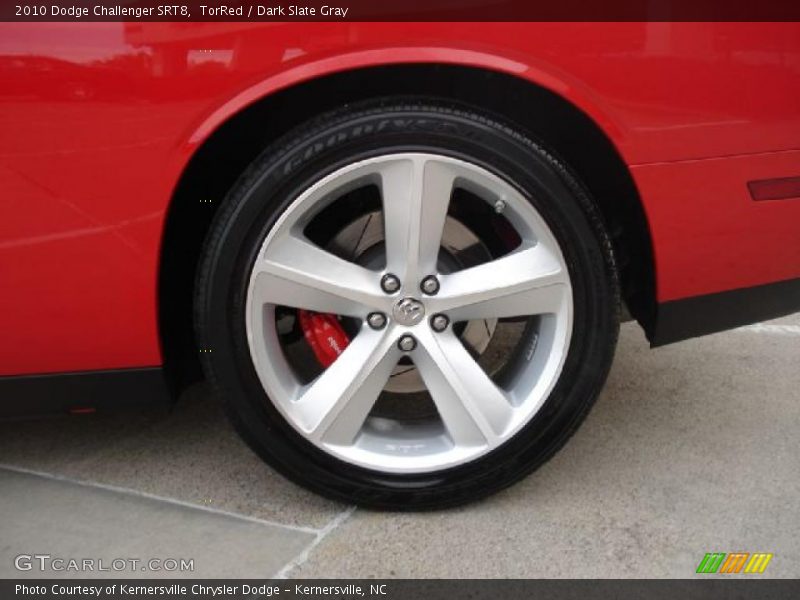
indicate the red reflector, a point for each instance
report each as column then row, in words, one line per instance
column 82, row 410
column 775, row 189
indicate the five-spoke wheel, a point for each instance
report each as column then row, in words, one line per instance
column 476, row 413
column 409, row 305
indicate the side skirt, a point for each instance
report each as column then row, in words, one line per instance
column 83, row 392
column 692, row 317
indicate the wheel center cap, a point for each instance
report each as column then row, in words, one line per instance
column 408, row 311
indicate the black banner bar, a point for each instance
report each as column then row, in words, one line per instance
column 399, row 10
column 402, row 589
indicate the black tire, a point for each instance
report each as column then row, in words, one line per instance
column 393, row 125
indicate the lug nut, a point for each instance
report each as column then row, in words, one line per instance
column 429, row 285
column 439, row 322
column 407, row 343
column 376, row 320
column 390, row 283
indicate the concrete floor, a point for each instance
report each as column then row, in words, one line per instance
column 692, row 448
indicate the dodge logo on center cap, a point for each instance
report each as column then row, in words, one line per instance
column 408, row 311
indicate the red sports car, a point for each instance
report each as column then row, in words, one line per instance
column 400, row 252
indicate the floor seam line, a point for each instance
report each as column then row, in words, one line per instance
column 773, row 329
column 140, row 494
column 303, row 557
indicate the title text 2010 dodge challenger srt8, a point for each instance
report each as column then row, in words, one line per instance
column 399, row 251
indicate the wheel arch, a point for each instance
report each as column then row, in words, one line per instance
column 231, row 137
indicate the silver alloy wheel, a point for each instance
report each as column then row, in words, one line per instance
column 476, row 414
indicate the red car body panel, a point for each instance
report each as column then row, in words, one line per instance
column 98, row 121
column 711, row 234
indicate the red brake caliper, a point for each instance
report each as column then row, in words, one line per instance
column 324, row 334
